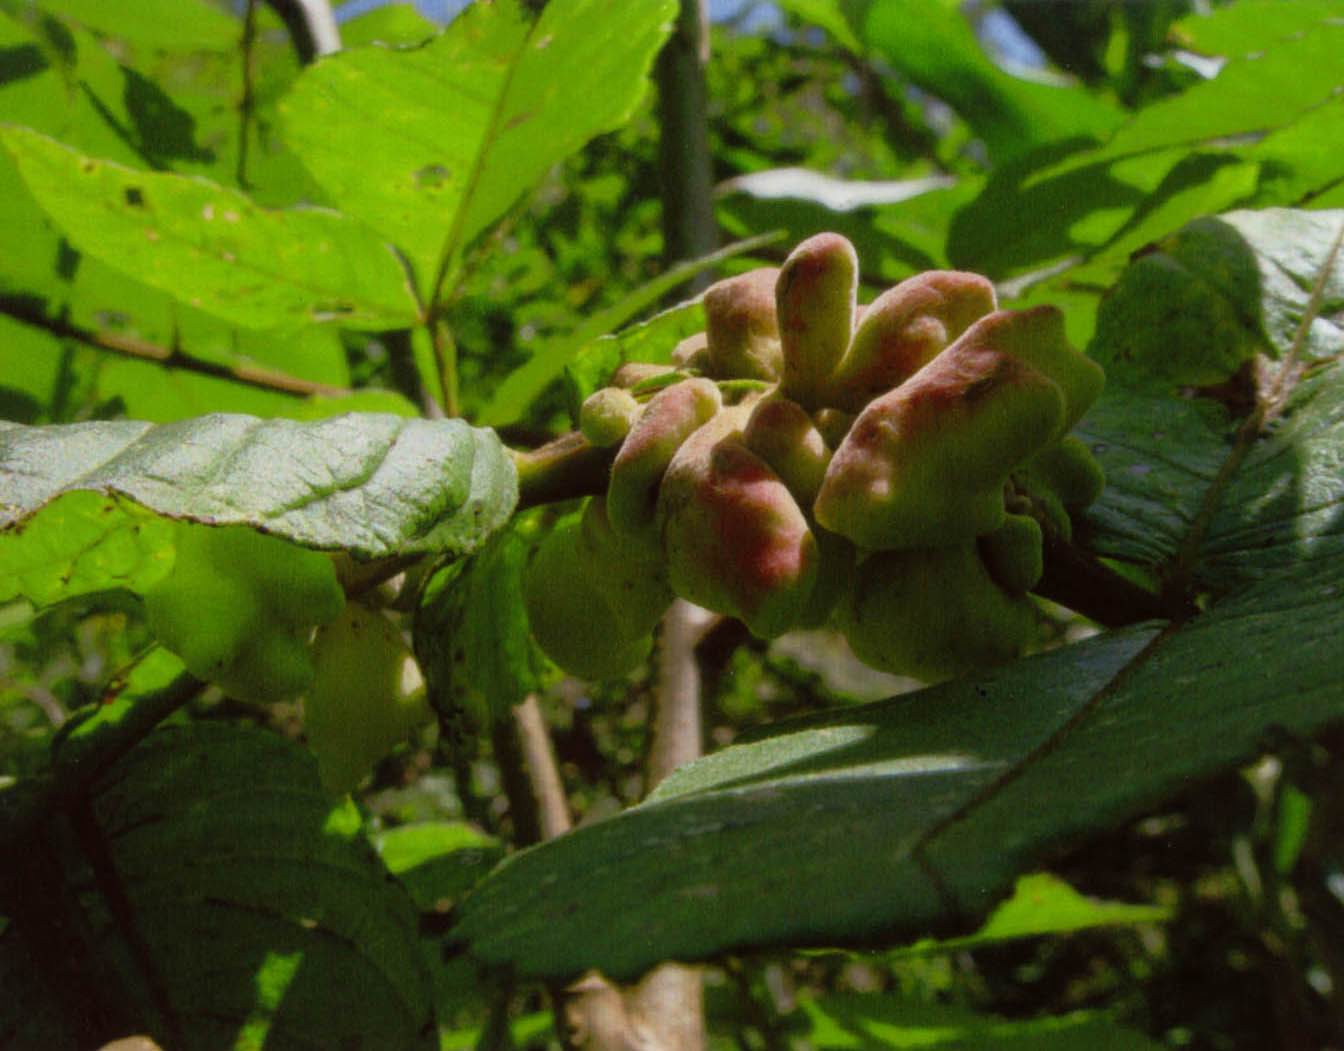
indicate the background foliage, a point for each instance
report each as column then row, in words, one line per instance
column 1127, row 841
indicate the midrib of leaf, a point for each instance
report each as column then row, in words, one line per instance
column 452, row 247
column 1048, row 746
column 1270, row 402
column 1272, row 396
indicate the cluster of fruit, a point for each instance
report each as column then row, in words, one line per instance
column 887, row 469
column 266, row 620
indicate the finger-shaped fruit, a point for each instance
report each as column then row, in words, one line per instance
column 903, row 329
column 742, row 331
column 366, row 697
column 933, row 613
column 1037, row 337
column 814, row 300
column 1014, row 554
column 670, row 417
column 782, row 434
column 833, row 424
column 1061, row 478
column 569, row 614
column 606, row 416
column 692, row 352
column 925, row 464
column 634, row 373
column 633, row 579
column 735, row 540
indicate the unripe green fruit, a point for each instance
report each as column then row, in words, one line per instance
column 925, row 465
column 670, row 417
column 1014, row 554
column 814, row 301
column 782, row 434
column 735, row 539
column 367, row 696
column 606, row 416
column 903, row 329
column 634, row 582
column 1062, row 478
column 570, row 615
column 933, row 613
column 238, row 606
column 741, row 328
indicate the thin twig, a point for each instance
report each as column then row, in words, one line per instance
column 247, row 102
column 172, row 358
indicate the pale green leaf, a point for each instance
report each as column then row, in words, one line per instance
column 77, row 497
column 211, row 246
column 430, row 146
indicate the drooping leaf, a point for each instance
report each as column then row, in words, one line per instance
column 256, row 906
column 430, row 146
column 471, row 633
column 78, row 498
column 212, row 247
column 914, row 815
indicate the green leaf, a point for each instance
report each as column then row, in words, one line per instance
column 165, row 24
column 885, row 1020
column 1244, row 28
column 211, row 246
column 526, row 383
column 471, row 633
column 437, row 861
column 914, row 816
column 1041, row 904
column 931, row 43
column 389, row 24
column 431, row 146
column 650, row 341
column 256, row 905
column 76, row 512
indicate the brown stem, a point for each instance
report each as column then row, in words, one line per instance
column 170, row 357
column 247, row 101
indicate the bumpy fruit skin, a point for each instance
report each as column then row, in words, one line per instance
column 741, row 328
column 670, row 417
column 238, row 607
column 1014, row 554
column 735, row 540
column 815, row 302
column 782, row 434
column 606, row 416
column 925, row 464
column 933, row 613
column 570, row 615
column 367, row 695
column 903, row 329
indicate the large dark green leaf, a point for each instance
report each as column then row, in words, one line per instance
column 78, row 498
column 254, row 912
column 431, row 146
column 913, row 816
column 211, row 246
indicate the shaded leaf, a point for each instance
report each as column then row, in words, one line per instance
column 471, row 633
column 211, row 246
column 77, row 497
column 437, row 860
column 431, row 146
column 258, row 906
